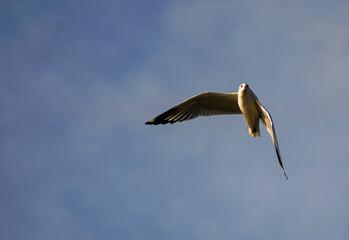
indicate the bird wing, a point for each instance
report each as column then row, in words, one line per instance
column 269, row 125
column 203, row 104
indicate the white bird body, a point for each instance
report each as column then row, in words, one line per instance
column 248, row 106
column 242, row 102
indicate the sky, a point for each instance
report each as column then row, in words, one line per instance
column 78, row 80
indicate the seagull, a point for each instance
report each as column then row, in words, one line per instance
column 243, row 102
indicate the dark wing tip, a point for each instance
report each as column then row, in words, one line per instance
column 153, row 121
column 280, row 162
column 157, row 121
column 285, row 175
column 163, row 118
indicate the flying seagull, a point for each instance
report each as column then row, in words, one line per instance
column 242, row 102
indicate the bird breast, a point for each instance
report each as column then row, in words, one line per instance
column 249, row 109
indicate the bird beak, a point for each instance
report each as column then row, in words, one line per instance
column 245, row 86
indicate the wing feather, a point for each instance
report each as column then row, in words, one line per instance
column 269, row 125
column 203, row 104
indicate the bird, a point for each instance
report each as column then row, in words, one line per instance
column 243, row 102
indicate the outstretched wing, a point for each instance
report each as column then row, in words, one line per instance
column 269, row 125
column 203, row 104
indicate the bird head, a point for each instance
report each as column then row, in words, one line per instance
column 242, row 87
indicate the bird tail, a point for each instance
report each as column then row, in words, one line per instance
column 254, row 132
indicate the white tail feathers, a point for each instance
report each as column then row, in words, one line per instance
column 255, row 132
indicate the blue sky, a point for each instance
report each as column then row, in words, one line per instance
column 80, row 78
